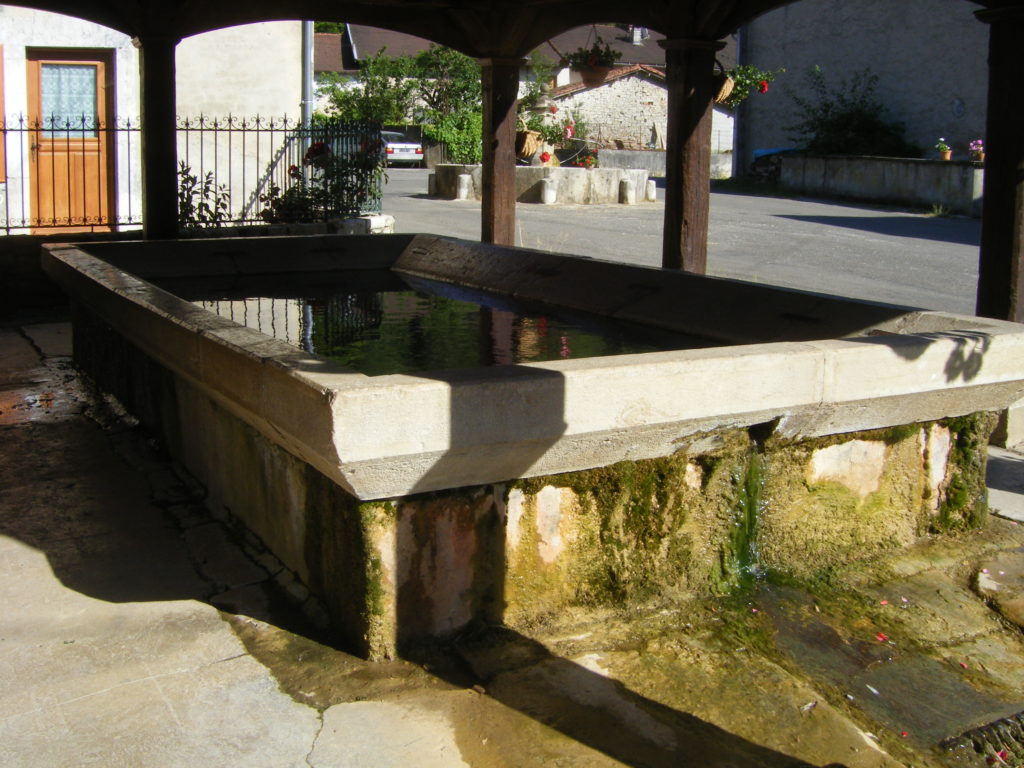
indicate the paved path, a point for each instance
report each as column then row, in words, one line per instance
column 886, row 255
column 135, row 632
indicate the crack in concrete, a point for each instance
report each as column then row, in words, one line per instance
column 38, row 350
column 230, row 658
column 316, row 736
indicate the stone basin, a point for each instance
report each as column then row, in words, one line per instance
column 422, row 481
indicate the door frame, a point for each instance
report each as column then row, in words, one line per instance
column 104, row 58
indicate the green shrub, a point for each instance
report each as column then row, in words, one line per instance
column 848, row 120
column 201, row 202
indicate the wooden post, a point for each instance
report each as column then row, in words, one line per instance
column 690, row 68
column 159, row 138
column 1001, row 258
column 500, row 81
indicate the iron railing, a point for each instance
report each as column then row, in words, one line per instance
column 86, row 174
column 69, row 172
column 251, row 157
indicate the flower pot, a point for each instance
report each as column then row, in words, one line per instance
column 946, row 155
column 594, row 76
column 978, row 157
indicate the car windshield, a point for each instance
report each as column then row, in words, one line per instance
column 393, row 138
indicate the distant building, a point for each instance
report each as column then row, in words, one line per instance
column 628, row 111
column 930, row 57
column 59, row 72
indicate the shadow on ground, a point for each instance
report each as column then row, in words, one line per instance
column 962, row 231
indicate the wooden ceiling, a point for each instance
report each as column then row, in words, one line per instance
column 479, row 28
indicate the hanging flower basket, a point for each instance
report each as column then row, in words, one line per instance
column 593, row 63
column 723, row 84
column 594, row 76
column 527, row 141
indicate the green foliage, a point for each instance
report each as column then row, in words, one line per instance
column 383, row 92
column 448, row 91
column 462, row 133
column 585, row 158
column 848, row 120
column 201, row 203
column 540, row 72
column 746, row 79
column 561, row 131
column 446, row 82
column 334, row 27
column 600, row 54
column 329, row 184
column 439, row 87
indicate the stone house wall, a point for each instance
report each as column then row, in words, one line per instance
column 929, row 55
column 633, row 110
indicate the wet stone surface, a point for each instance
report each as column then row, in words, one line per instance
column 137, row 631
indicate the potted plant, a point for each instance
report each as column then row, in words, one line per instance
column 593, row 63
column 977, row 148
column 945, row 153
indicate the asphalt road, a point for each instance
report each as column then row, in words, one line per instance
column 866, row 252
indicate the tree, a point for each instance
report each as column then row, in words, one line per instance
column 450, row 101
column 384, row 91
column 446, row 82
column 439, row 88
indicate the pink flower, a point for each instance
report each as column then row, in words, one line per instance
column 545, row 157
column 763, row 86
column 882, row 637
column 569, row 131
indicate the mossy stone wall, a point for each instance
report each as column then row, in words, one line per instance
column 395, row 571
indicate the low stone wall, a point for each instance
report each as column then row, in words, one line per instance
column 653, row 161
column 957, row 186
column 593, row 186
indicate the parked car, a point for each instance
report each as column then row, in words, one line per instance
column 401, row 151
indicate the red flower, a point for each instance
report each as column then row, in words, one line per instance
column 569, row 131
column 592, row 60
column 763, row 86
column 316, row 154
column 294, row 172
column 553, row 109
column 545, row 156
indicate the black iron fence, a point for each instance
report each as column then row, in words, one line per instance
column 69, row 172
column 86, row 174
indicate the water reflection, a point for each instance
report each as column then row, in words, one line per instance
column 388, row 323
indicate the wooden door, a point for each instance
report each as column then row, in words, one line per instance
column 70, row 163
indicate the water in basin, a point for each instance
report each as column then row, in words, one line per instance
column 385, row 322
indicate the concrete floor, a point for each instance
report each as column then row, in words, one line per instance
column 135, row 631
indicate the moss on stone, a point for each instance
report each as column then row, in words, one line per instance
column 647, row 529
column 808, row 527
column 345, row 569
column 966, row 502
